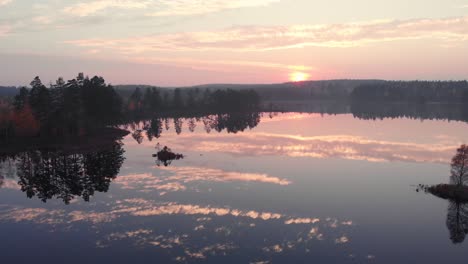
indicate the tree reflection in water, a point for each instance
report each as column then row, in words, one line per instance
column 455, row 193
column 63, row 174
column 234, row 122
column 457, row 221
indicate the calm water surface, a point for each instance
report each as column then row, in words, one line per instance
column 297, row 188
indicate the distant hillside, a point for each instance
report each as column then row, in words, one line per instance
column 355, row 90
column 7, row 91
column 412, row 92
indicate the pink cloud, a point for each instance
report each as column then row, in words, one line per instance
column 263, row 38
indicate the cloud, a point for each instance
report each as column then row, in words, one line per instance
column 5, row 2
column 343, row 146
column 342, row 240
column 199, row 7
column 180, row 177
column 139, row 215
column 264, row 38
column 83, row 9
column 4, row 30
column 163, row 7
column 44, row 20
column 191, row 174
column 216, row 64
column 302, row 221
column 331, row 146
column 9, row 184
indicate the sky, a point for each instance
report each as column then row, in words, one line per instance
column 190, row 42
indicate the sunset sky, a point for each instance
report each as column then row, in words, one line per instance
column 188, row 42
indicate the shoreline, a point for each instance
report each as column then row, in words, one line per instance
column 449, row 192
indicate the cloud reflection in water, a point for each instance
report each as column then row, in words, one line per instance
column 211, row 231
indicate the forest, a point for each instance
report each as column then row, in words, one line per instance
column 412, row 92
column 84, row 104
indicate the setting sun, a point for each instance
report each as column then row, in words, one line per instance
column 298, row 76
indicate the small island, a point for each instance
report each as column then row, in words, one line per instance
column 457, row 190
column 166, row 156
column 449, row 192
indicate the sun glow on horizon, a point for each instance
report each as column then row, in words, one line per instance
column 298, row 76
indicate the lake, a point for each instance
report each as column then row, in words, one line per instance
column 284, row 188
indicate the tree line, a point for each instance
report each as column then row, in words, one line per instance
column 144, row 103
column 412, row 92
column 63, row 108
column 82, row 104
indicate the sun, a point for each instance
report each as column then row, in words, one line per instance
column 298, row 76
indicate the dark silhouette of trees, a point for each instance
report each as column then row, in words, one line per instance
column 231, row 100
column 6, row 124
column 21, row 99
column 230, row 122
column 152, row 101
column 457, row 195
column 178, row 123
column 382, row 110
column 192, row 124
column 178, row 102
column 154, row 129
column 39, row 99
column 101, row 104
column 415, row 92
column 49, row 174
column 189, row 101
column 135, row 102
column 83, row 104
column 25, row 123
column 138, row 135
column 65, row 108
column 457, row 221
column 459, row 166
column 165, row 156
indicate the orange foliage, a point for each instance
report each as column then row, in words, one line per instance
column 25, row 123
column 5, row 119
column 131, row 106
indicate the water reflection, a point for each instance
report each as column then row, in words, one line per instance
column 457, row 221
column 207, row 232
column 64, row 173
column 280, row 193
column 173, row 179
column 231, row 122
column 344, row 145
column 165, row 156
column 381, row 110
column 438, row 111
column 455, row 193
column 330, row 146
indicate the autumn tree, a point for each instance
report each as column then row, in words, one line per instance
column 25, row 123
column 459, row 170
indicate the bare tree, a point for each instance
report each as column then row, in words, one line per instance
column 459, row 170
